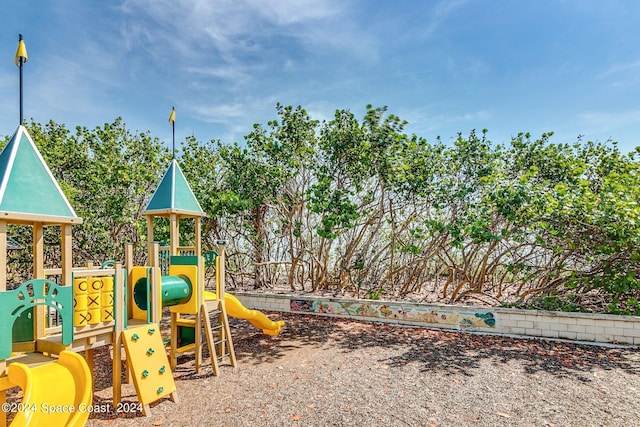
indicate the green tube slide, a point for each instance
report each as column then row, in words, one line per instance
column 174, row 289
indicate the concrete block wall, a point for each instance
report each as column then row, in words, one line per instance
column 574, row 326
column 601, row 328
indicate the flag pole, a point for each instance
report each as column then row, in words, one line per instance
column 173, row 131
column 172, row 120
column 21, row 62
column 21, row 58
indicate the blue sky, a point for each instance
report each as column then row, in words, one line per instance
column 572, row 67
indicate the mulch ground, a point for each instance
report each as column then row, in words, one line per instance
column 325, row 371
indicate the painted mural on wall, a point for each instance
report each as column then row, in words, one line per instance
column 408, row 314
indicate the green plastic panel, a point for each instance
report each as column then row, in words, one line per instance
column 28, row 295
column 186, row 335
column 184, row 260
column 23, row 326
column 210, row 258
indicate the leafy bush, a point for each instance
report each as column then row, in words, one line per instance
column 359, row 204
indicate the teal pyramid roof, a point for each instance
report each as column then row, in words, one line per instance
column 174, row 194
column 28, row 190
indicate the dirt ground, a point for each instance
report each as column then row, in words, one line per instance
column 331, row 372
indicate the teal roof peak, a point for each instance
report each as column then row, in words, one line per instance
column 28, row 189
column 174, row 195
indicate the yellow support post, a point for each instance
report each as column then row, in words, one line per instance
column 38, row 250
column 38, row 273
column 128, row 265
column 198, row 235
column 220, row 269
column 155, row 305
column 67, row 258
column 119, row 313
column 174, row 234
column 150, row 229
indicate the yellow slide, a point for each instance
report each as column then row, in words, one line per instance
column 256, row 318
column 55, row 394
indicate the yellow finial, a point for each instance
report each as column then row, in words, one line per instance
column 21, row 53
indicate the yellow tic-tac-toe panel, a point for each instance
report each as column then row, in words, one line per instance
column 80, row 302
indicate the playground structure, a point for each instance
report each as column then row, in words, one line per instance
column 65, row 310
column 181, row 287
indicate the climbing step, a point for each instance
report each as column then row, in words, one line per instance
column 186, row 322
column 186, row 348
column 185, row 337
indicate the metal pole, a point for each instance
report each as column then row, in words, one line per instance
column 21, row 59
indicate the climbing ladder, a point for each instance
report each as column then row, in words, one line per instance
column 218, row 334
column 212, row 315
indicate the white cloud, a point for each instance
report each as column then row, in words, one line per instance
column 220, row 113
column 321, row 110
column 228, row 29
column 441, row 13
column 626, row 74
column 236, row 59
column 236, row 117
column 606, row 120
column 623, row 67
column 424, row 116
column 430, row 121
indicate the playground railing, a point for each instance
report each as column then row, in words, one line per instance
column 186, row 250
column 164, row 255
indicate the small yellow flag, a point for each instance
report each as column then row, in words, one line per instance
column 21, row 53
column 172, row 117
